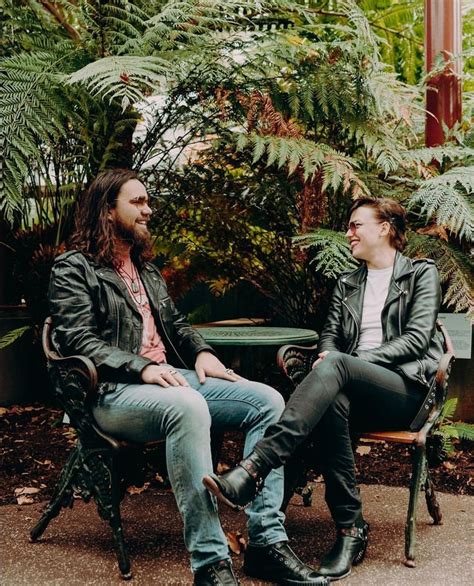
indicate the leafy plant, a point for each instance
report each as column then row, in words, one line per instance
column 12, row 336
column 447, row 433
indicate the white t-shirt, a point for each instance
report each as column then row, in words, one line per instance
column 376, row 290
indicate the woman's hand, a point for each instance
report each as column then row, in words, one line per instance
column 164, row 376
column 321, row 357
column 209, row 365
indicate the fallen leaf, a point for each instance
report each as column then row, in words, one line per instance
column 159, row 478
column 236, row 542
column 26, row 490
column 222, row 467
column 138, row 489
column 3, row 410
column 363, row 450
column 449, row 465
column 25, row 500
column 43, row 463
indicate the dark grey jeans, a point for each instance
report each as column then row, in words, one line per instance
column 342, row 392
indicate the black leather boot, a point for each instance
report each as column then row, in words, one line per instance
column 349, row 550
column 279, row 563
column 238, row 487
column 218, row 574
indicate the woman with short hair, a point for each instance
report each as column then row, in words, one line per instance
column 378, row 354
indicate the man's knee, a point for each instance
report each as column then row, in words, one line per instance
column 189, row 409
column 271, row 400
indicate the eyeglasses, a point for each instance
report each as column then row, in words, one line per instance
column 353, row 227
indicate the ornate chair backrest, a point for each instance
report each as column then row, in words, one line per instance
column 74, row 380
column 443, row 372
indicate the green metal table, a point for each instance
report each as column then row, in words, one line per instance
column 256, row 336
column 250, row 337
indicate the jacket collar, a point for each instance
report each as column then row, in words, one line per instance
column 402, row 268
column 110, row 275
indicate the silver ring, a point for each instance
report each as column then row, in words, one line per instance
column 172, row 371
column 229, row 371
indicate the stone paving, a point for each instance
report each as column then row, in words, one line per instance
column 76, row 549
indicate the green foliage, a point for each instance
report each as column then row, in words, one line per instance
column 454, row 266
column 12, row 336
column 445, row 199
column 449, row 430
column 332, row 254
column 295, row 98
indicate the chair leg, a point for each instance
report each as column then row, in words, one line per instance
column 62, row 496
column 431, row 501
column 104, row 475
column 119, row 544
column 418, row 472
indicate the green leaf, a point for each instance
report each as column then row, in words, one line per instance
column 12, row 336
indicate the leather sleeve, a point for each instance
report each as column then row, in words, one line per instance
column 71, row 294
column 420, row 324
column 331, row 334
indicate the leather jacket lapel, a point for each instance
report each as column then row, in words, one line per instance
column 108, row 274
column 402, row 268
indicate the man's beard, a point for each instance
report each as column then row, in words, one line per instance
column 139, row 240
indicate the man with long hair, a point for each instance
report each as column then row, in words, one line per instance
column 159, row 379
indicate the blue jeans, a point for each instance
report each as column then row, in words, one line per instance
column 183, row 416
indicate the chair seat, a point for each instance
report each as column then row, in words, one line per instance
column 399, row 437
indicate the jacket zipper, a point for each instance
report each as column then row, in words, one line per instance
column 422, row 372
column 356, row 325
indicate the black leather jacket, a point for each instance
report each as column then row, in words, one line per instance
column 410, row 343
column 94, row 315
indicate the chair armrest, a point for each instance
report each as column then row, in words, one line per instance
column 296, row 361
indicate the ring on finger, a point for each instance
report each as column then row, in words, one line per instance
column 229, row 371
column 172, row 371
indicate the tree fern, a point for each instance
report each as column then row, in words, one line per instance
column 455, row 269
column 30, row 113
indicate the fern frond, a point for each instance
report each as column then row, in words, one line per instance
column 440, row 199
column 455, row 269
column 338, row 170
column 332, row 254
column 12, row 336
column 440, row 154
column 126, row 77
column 449, row 408
column 31, row 114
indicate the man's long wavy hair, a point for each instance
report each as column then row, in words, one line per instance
column 94, row 234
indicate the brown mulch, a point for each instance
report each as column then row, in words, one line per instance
column 34, row 444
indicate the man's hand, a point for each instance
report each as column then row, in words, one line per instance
column 164, row 376
column 209, row 365
column 321, row 357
